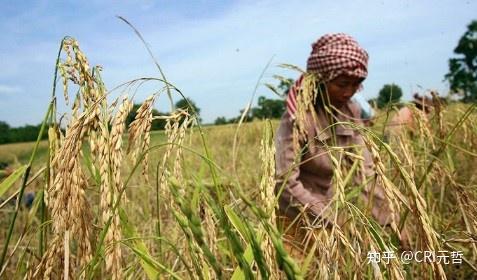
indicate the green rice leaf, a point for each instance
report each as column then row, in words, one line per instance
column 10, row 180
column 237, row 222
column 238, row 273
column 149, row 265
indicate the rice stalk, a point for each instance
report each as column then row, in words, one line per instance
column 139, row 134
column 111, row 186
column 267, row 194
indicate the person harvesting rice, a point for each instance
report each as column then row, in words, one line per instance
column 312, row 133
column 404, row 119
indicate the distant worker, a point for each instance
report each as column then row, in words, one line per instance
column 404, row 120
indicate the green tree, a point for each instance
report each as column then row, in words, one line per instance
column 283, row 87
column 220, row 121
column 24, row 133
column 132, row 114
column 190, row 105
column 462, row 74
column 156, row 124
column 388, row 95
column 268, row 108
column 4, row 132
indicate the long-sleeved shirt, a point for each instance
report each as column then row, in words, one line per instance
column 310, row 182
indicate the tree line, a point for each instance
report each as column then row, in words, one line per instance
column 267, row 108
column 28, row 133
column 24, row 133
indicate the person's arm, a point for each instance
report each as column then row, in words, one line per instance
column 288, row 171
column 374, row 190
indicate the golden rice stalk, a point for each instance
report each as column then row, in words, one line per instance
column 267, row 195
column 338, row 176
column 418, row 204
column 101, row 115
column 408, row 159
column 117, row 130
column 305, row 100
column 186, row 122
column 423, row 126
column 91, row 89
column 326, row 252
column 171, row 132
column 267, row 183
column 365, row 239
column 175, row 133
column 54, row 142
column 468, row 208
column 338, row 241
column 111, row 185
column 67, row 69
column 209, row 227
column 376, row 270
column 139, row 136
column 46, row 268
column 106, row 190
column 392, row 194
column 69, row 208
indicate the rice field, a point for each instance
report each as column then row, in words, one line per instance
column 192, row 202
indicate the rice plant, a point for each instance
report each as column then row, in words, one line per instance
column 117, row 202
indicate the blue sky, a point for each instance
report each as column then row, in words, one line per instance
column 214, row 51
